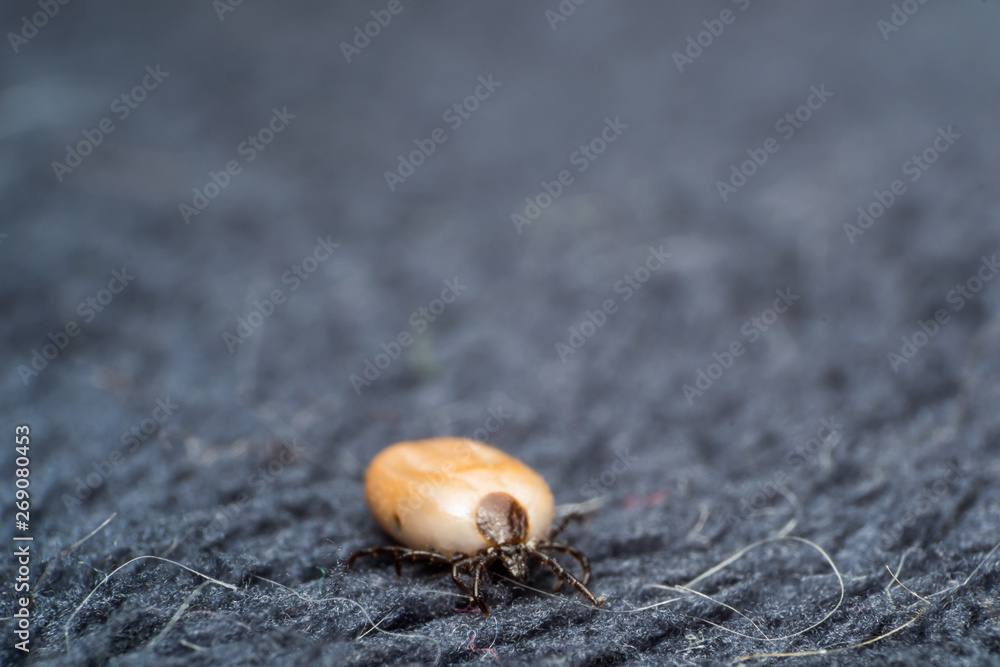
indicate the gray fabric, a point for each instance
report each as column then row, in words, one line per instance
column 251, row 461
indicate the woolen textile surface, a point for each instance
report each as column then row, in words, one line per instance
column 727, row 270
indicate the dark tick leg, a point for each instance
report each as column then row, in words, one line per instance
column 401, row 554
column 565, row 521
column 458, row 564
column 575, row 553
column 562, row 573
column 483, row 563
column 431, row 556
column 375, row 551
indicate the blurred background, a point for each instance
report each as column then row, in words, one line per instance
column 727, row 268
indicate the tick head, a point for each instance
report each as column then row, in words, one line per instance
column 516, row 562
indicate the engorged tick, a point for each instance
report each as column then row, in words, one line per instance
column 465, row 504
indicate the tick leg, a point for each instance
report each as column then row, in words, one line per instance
column 478, row 576
column 565, row 521
column 458, row 564
column 575, row 553
column 562, row 573
column 432, row 556
column 376, row 551
column 401, row 554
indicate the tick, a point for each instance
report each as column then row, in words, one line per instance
column 461, row 503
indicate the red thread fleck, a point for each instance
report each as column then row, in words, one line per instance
column 652, row 500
